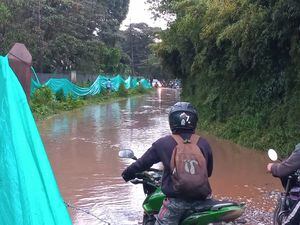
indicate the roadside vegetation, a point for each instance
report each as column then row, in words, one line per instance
column 44, row 103
column 239, row 63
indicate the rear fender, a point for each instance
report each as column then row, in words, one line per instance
column 222, row 214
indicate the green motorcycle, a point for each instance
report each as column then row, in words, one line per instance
column 212, row 211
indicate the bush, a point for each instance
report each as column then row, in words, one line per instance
column 122, row 92
column 140, row 89
column 73, row 102
column 104, row 92
column 40, row 110
column 43, row 96
column 60, row 95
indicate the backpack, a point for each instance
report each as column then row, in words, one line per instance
column 189, row 170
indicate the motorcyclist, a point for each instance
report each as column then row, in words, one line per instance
column 183, row 121
column 282, row 170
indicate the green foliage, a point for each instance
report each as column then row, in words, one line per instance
column 105, row 92
column 239, row 63
column 140, row 89
column 73, row 102
column 122, row 92
column 43, row 96
column 4, row 14
column 60, row 95
column 137, row 42
column 65, row 35
column 41, row 111
column 44, row 103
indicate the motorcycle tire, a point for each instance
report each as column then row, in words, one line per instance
column 276, row 215
column 279, row 218
column 148, row 220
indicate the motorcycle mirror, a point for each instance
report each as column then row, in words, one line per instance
column 272, row 154
column 127, row 153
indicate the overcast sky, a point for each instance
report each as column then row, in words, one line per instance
column 139, row 12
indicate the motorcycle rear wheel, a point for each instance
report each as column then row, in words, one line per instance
column 276, row 214
column 279, row 217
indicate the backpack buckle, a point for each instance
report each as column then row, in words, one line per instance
column 186, row 141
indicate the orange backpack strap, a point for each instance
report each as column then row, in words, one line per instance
column 194, row 139
column 178, row 139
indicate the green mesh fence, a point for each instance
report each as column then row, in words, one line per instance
column 100, row 83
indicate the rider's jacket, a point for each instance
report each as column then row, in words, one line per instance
column 161, row 151
column 289, row 165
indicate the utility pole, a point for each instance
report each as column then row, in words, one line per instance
column 131, row 49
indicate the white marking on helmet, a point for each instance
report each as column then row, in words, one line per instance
column 182, row 122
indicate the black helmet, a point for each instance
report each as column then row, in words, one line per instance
column 183, row 116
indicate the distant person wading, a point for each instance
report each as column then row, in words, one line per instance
column 108, row 85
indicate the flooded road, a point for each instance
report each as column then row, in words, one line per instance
column 83, row 150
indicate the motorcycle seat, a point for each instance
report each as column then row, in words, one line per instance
column 208, row 204
column 212, row 204
column 221, row 205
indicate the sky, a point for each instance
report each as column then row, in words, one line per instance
column 139, row 12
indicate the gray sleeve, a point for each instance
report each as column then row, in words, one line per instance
column 288, row 166
column 207, row 153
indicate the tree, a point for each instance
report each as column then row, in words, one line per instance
column 59, row 32
column 137, row 40
column 239, row 63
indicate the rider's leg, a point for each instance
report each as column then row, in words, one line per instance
column 294, row 217
column 171, row 211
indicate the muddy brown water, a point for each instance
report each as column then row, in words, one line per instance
column 83, row 145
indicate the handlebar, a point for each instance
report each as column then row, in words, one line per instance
column 139, row 181
column 148, row 178
column 136, row 181
column 140, row 175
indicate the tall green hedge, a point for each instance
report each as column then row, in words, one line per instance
column 240, row 65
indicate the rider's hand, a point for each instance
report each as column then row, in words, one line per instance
column 127, row 176
column 269, row 167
